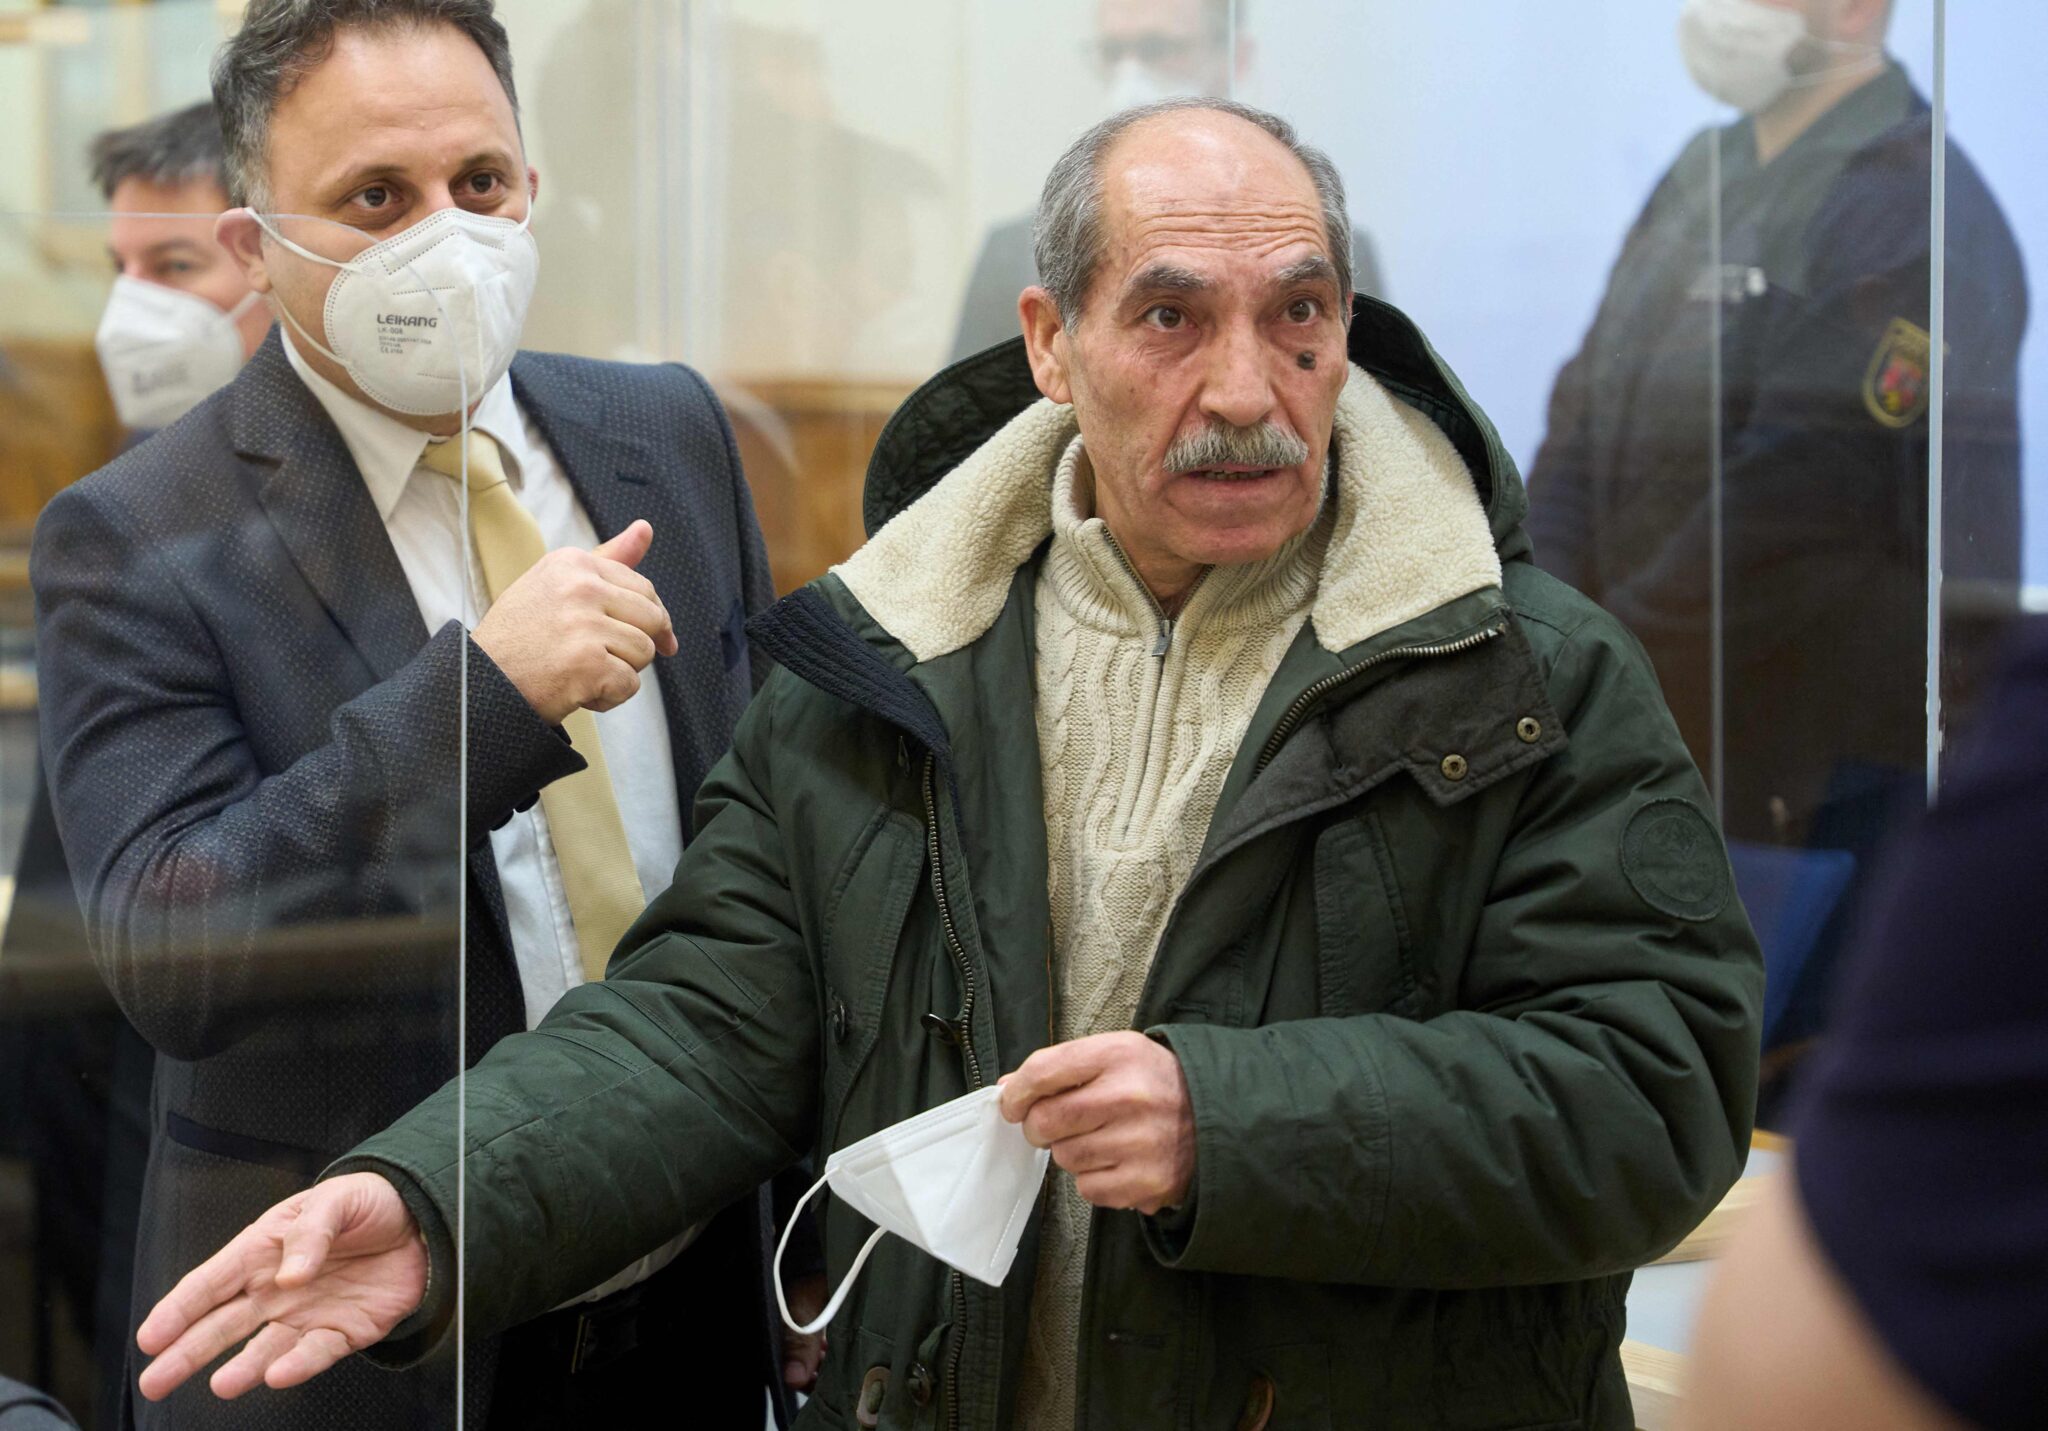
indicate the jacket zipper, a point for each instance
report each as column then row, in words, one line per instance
column 1329, row 683
column 1164, row 641
column 964, row 1031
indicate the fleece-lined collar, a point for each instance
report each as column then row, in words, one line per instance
column 1408, row 535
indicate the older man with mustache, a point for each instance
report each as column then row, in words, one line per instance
column 1194, row 755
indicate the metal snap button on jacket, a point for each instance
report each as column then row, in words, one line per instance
column 1455, row 767
column 1529, row 729
column 874, row 1388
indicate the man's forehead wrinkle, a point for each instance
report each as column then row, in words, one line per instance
column 1179, row 229
column 1173, row 191
column 1258, row 235
column 1199, row 224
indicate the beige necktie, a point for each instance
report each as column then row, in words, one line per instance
column 598, row 877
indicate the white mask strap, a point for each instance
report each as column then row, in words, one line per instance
column 1861, row 57
column 312, row 342
column 838, row 1297
column 243, row 305
column 305, row 253
column 286, row 308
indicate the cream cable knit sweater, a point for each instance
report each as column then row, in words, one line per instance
column 1135, row 745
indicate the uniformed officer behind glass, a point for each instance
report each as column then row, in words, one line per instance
column 1809, row 304
column 1143, row 51
column 259, row 687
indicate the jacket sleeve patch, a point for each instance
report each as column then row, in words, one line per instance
column 1672, row 856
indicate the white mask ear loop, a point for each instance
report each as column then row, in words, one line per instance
column 845, row 1286
column 1864, row 57
column 286, row 309
column 243, row 305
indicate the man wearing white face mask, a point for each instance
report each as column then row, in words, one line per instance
column 182, row 318
column 277, row 697
column 1143, row 51
column 1757, row 380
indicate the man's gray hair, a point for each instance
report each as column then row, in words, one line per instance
column 1066, row 235
column 176, row 148
column 280, row 41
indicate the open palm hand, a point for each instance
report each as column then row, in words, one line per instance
column 324, row 1273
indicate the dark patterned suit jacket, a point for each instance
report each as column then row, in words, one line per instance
column 255, row 747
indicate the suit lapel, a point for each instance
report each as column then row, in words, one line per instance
column 609, row 473
column 316, row 499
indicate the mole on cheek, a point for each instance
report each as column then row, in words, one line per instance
column 1306, row 361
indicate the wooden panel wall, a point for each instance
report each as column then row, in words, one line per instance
column 805, row 444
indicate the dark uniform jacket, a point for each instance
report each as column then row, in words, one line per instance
column 253, row 745
column 1769, row 325
column 1463, row 997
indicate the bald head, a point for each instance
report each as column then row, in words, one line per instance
column 1182, row 164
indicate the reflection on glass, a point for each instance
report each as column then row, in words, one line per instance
column 1143, row 52
column 87, row 371
column 252, row 757
column 1737, row 459
column 815, row 205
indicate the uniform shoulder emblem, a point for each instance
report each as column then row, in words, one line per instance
column 1896, row 388
column 1672, row 855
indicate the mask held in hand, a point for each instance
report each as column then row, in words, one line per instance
column 956, row 1180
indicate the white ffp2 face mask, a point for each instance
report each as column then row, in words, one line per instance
column 164, row 350
column 429, row 316
column 957, row 1181
column 1740, row 51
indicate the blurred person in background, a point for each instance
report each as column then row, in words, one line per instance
column 179, row 323
column 182, row 318
column 1897, row 1278
column 266, row 721
column 1805, row 317
column 1143, row 51
column 1192, row 770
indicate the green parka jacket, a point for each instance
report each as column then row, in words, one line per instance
column 1465, row 1001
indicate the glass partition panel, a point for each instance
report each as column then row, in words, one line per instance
column 1992, row 377
column 1761, row 352
column 231, row 850
column 1665, row 287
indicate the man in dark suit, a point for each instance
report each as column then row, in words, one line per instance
column 343, row 806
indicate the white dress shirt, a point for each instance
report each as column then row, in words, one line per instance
column 423, row 517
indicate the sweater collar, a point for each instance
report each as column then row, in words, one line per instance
column 1089, row 576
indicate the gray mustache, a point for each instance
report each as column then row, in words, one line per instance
column 1220, row 444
